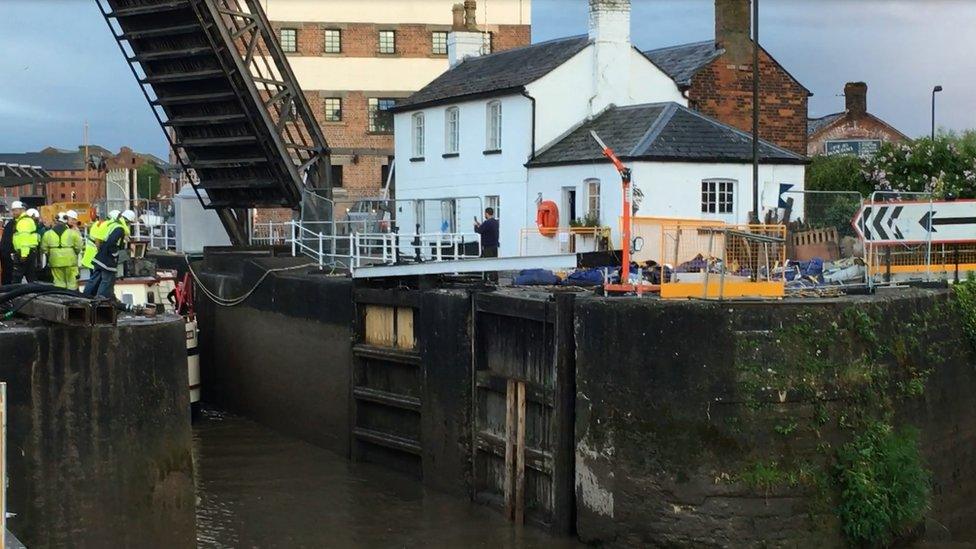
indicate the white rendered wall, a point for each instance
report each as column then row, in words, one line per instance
column 471, row 173
column 564, row 97
column 671, row 189
column 434, row 12
column 366, row 73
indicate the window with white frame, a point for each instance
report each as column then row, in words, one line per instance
column 333, row 109
column 592, row 187
column 418, row 135
column 494, row 202
column 718, row 196
column 387, row 42
column 333, row 41
column 438, row 41
column 452, row 130
column 493, row 141
column 289, row 40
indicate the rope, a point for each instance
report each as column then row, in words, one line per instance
column 232, row 302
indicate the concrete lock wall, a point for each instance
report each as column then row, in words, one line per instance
column 98, row 434
column 283, row 357
column 717, row 424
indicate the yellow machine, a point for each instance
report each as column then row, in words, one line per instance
column 84, row 209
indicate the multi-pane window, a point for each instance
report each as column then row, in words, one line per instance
column 493, row 141
column 380, row 117
column 333, row 41
column 452, row 130
column 592, row 198
column 418, row 135
column 333, row 109
column 289, row 40
column 387, row 42
column 718, row 196
column 439, row 41
column 494, row 202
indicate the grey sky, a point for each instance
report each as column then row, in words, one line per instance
column 60, row 66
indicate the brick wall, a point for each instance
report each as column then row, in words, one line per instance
column 73, row 181
column 853, row 127
column 724, row 92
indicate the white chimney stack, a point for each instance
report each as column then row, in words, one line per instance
column 610, row 34
column 465, row 40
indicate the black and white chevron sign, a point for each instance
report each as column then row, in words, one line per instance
column 917, row 222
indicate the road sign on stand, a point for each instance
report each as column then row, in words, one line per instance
column 917, row 222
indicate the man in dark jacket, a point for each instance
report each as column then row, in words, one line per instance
column 488, row 229
column 7, row 250
column 101, row 282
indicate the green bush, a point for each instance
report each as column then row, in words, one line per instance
column 964, row 301
column 884, row 485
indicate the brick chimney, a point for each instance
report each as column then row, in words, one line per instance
column 471, row 15
column 458, row 12
column 856, row 96
column 610, row 35
column 465, row 40
column 733, row 29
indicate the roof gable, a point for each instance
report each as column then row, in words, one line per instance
column 661, row 132
column 495, row 73
column 682, row 62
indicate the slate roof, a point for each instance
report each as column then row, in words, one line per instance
column 508, row 70
column 660, row 132
column 51, row 161
column 682, row 62
column 814, row 125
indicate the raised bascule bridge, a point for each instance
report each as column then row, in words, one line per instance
column 219, row 84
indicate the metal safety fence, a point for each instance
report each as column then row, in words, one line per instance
column 708, row 261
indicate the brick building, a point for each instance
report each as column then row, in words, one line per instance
column 74, row 180
column 716, row 76
column 355, row 59
column 854, row 131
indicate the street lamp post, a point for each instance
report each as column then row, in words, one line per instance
column 935, row 90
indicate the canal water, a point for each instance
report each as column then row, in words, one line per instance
column 258, row 488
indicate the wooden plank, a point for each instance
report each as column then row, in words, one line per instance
column 387, row 440
column 534, row 392
column 405, row 338
column 379, row 327
column 520, row 458
column 510, row 449
column 502, row 305
column 386, row 353
column 394, row 297
column 56, row 308
column 535, row 458
column 563, row 418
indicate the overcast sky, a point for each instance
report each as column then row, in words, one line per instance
column 60, row 66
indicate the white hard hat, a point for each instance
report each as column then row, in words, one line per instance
column 33, row 212
column 114, row 214
column 17, row 205
column 71, row 214
column 129, row 216
column 60, row 215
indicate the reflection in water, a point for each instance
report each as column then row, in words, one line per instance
column 257, row 488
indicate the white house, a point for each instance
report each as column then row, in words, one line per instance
column 493, row 131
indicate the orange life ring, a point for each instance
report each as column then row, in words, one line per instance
column 547, row 218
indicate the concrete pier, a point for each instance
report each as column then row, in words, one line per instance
column 98, row 434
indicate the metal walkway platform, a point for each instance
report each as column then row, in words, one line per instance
column 494, row 264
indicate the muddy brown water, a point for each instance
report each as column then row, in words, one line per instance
column 258, row 488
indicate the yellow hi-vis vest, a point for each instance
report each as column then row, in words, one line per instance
column 97, row 231
column 62, row 251
column 25, row 237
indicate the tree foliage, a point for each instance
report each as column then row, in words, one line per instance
column 147, row 178
column 945, row 167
